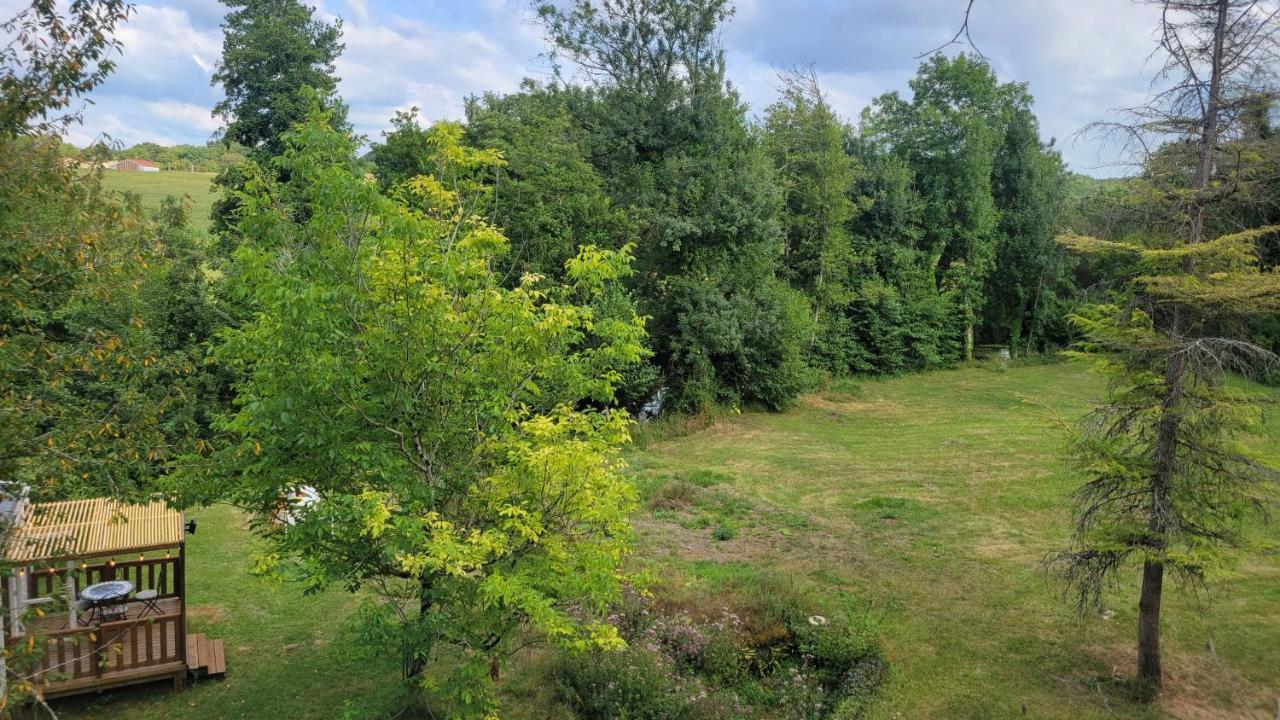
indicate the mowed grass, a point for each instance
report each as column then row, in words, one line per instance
column 153, row 187
column 930, row 499
column 934, row 499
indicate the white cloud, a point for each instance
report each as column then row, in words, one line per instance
column 404, row 62
column 195, row 116
column 359, row 10
column 1081, row 57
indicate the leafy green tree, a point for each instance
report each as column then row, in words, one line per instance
column 276, row 55
column 550, row 201
column 50, row 60
column 900, row 318
column 404, row 152
column 455, row 429
column 1028, row 288
column 271, row 50
column 84, row 384
column 806, row 140
column 947, row 136
column 1169, row 485
column 671, row 139
column 548, row 198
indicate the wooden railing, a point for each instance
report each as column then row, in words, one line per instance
column 95, row 651
column 143, row 642
column 150, row 574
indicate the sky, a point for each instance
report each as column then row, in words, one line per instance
column 1081, row 58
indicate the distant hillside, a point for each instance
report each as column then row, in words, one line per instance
column 211, row 157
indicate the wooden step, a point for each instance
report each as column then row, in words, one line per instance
column 206, row 655
column 194, row 644
column 217, row 659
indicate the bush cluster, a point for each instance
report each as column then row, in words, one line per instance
column 775, row 654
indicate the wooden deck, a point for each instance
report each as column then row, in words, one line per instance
column 110, row 654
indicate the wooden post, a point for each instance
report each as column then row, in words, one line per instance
column 17, row 586
column 69, row 586
column 180, row 584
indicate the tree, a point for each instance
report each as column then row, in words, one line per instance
column 670, row 137
column 548, row 198
column 84, row 386
column 49, row 61
column 900, row 317
column 1030, row 282
column 1168, row 485
column 457, row 431
column 405, row 150
column 947, row 135
column 271, row 50
column 805, row 138
column 87, row 391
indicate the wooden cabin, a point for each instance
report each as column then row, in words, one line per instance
column 57, row 550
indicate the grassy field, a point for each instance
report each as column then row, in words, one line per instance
column 154, row 187
column 931, row 499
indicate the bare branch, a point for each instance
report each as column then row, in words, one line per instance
column 955, row 40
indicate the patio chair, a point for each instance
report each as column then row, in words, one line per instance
column 150, row 598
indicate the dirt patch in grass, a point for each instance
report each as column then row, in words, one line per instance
column 207, row 613
column 842, row 403
column 669, row 538
column 1195, row 687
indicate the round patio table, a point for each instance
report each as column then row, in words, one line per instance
column 103, row 597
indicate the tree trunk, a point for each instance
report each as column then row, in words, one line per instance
column 413, row 663
column 1149, row 673
column 968, row 333
column 1209, row 128
column 1165, row 473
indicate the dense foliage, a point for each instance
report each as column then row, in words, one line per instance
column 456, row 430
column 768, row 253
column 271, row 50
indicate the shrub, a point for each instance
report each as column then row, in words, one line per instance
column 688, row 660
column 723, row 532
column 634, row 684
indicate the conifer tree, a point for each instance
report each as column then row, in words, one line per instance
column 1169, row 484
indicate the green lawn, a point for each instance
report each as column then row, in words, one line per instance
column 933, row 498
column 930, row 498
column 154, row 187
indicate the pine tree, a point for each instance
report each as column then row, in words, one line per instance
column 1169, row 484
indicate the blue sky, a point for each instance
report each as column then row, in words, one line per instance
column 1081, row 58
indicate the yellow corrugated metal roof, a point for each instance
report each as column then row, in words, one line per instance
column 88, row 528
